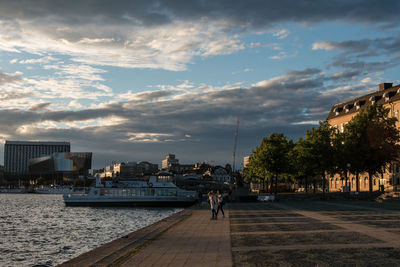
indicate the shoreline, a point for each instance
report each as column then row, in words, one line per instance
column 120, row 249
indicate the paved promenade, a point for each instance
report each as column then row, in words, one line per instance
column 197, row 241
column 312, row 233
column 287, row 233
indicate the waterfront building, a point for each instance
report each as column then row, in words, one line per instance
column 171, row 164
column 18, row 153
column 130, row 169
column 168, row 161
column 341, row 113
column 2, row 180
column 219, row 174
column 74, row 164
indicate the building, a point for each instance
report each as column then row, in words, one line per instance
column 340, row 114
column 168, row 161
column 2, row 181
column 18, row 153
column 171, row 164
column 130, row 169
column 71, row 163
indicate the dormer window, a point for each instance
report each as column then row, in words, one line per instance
column 338, row 110
column 388, row 95
column 375, row 98
column 359, row 103
column 348, row 107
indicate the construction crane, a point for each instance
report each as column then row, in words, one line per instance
column 235, row 144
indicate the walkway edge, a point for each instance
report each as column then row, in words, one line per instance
column 117, row 251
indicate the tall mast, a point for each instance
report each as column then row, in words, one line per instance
column 235, row 144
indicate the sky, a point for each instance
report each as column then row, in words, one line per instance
column 136, row 80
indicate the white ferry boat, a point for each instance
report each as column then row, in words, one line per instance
column 132, row 193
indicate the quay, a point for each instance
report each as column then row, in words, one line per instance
column 286, row 233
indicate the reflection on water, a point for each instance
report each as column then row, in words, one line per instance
column 41, row 230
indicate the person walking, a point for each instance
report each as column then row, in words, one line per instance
column 213, row 204
column 220, row 201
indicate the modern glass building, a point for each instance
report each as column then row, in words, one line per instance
column 18, row 153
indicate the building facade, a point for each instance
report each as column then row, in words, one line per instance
column 168, row 161
column 340, row 114
column 18, row 153
column 74, row 163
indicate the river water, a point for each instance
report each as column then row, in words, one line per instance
column 40, row 230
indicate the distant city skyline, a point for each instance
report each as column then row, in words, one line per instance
column 136, row 80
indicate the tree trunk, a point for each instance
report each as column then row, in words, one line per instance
column 357, row 182
column 323, row 185
column 315, row 185
column 345, row 181
column 370, row 182
column 276, row 185
column 263, row 185
column 306, row 184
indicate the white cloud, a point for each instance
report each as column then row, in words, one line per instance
column 148, row 137
column 366, row 80
column 282, row 34
column 42, row 60
column 74, row 104
column 171, row 46
column 283, row 55
column 326, row 45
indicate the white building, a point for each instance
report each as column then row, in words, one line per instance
column 169, row 161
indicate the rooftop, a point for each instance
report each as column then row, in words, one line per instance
column 386, row 94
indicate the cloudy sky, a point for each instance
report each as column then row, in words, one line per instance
column 135, row 80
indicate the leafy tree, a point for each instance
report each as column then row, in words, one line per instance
column 302, row 163
column 270, row 159
column 314, row 155
column 343, row 160
column 374, row 139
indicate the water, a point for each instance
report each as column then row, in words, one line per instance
column 41, row 230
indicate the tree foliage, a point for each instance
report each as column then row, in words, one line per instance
column 371, row 138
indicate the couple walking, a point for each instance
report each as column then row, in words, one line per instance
column 216, row 201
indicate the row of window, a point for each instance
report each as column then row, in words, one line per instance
column 335, row 182
column 127, row 192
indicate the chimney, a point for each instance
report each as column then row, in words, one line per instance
column 384, row 86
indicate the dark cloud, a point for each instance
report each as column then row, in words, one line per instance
column 361, row 57
column 40, row 106
column 256, row 13
column 201, row 122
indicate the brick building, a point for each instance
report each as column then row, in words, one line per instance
column 340, row 114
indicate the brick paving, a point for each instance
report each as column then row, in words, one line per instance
column 196, row 241
column 318, row 234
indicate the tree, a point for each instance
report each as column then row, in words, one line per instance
column 255, row 169
column 270, row 158
column 374, row 138
column 301, row 162
column 314, row 155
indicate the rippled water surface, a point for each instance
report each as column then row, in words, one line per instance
column 41, row 230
